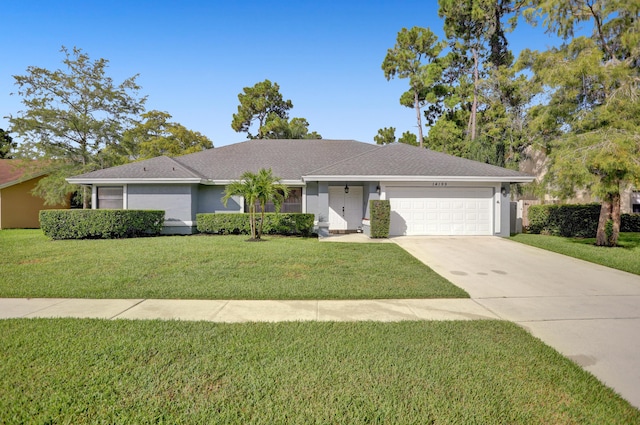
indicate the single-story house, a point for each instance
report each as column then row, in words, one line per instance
column 19, row 209
column 431, row 193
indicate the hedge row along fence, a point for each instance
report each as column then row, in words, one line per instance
column 101, row 224
column 238, row 223
column 380, row 218
column 574, row 220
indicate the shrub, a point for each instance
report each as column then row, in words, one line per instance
column 101, row 224
column 630, row 223
column 579, row 220
column 238, row 223
column 538, row 216
column 380, row 218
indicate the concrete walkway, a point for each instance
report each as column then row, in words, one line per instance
column 235, row 311
column 589, row 313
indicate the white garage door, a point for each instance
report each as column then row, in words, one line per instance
column 440, row 211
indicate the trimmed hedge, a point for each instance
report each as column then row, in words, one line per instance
column 101, row 224
column 380, row 218
column 238, row 223
column 574, row 220
column 580, row 220
column 630, row 223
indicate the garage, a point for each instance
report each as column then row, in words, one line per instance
column 441, row 210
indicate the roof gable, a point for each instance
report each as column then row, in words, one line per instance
column 14, row 171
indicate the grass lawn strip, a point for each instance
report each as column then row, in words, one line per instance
column 212, row 267
column 625, row 257
column 480, row 372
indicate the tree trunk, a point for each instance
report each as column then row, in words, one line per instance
column 615, row 216
column 252, row 220
column 419, row 118
column 607, row 234
column 474, row 105
column 85, row 198
column 261, row 221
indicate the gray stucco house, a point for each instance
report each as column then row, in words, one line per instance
column 431, row 193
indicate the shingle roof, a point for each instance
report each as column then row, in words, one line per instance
column 295, row 159
column 161, row 167
column 399, row 159
column 288, row 159
column 14, row 171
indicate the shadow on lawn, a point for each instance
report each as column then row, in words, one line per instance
column 626, row 240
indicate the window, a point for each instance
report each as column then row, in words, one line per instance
column 293, row 203
column 110, row 197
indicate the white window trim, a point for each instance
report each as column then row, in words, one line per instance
column 94, row 196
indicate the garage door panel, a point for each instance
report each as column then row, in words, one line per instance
column 441, row 211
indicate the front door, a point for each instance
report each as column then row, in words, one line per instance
column 345, row 209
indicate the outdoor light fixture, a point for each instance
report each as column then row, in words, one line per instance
column 378, row 189
column 504, row 191
column 346, row 188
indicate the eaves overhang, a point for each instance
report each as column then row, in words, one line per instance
column 21, row 179
column 224, row 182
column 477, row 179
column 159, row 180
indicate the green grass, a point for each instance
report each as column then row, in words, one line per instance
column 625, row 257
column 212, row 267
column 478, row 372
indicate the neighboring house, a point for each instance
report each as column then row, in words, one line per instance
column 535, row 164
column 18, row 207
column 431, row 193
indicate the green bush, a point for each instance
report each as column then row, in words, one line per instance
column 630, row 223
column 538, row 216
column 101, row 224
column 579, row 220
column 380, row 218
column 238, row 223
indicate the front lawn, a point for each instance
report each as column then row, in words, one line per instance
column 212, row 267
column 476, row 372
column 626, row 257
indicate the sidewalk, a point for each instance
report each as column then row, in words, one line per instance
column 234, row 311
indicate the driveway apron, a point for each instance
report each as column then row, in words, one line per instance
column 589, row 313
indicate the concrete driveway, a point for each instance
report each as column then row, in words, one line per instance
column 589, row 313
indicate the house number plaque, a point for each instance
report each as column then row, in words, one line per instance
column 439, row 183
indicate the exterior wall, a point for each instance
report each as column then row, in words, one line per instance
column 19, row 209
column 322, row 209
column 177, row 200
column 210, row 201
column 503, row 218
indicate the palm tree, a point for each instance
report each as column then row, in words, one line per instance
column 269, row 190
column 260, row 189
column 247, row 188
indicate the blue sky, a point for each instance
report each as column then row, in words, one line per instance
column 194, row 57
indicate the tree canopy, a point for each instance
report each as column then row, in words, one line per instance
column 154, row 136
column 6, row 145
column 70, row 116
column 414, row 57
column 264, row 105
column 258, row 103
column 590, row 126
